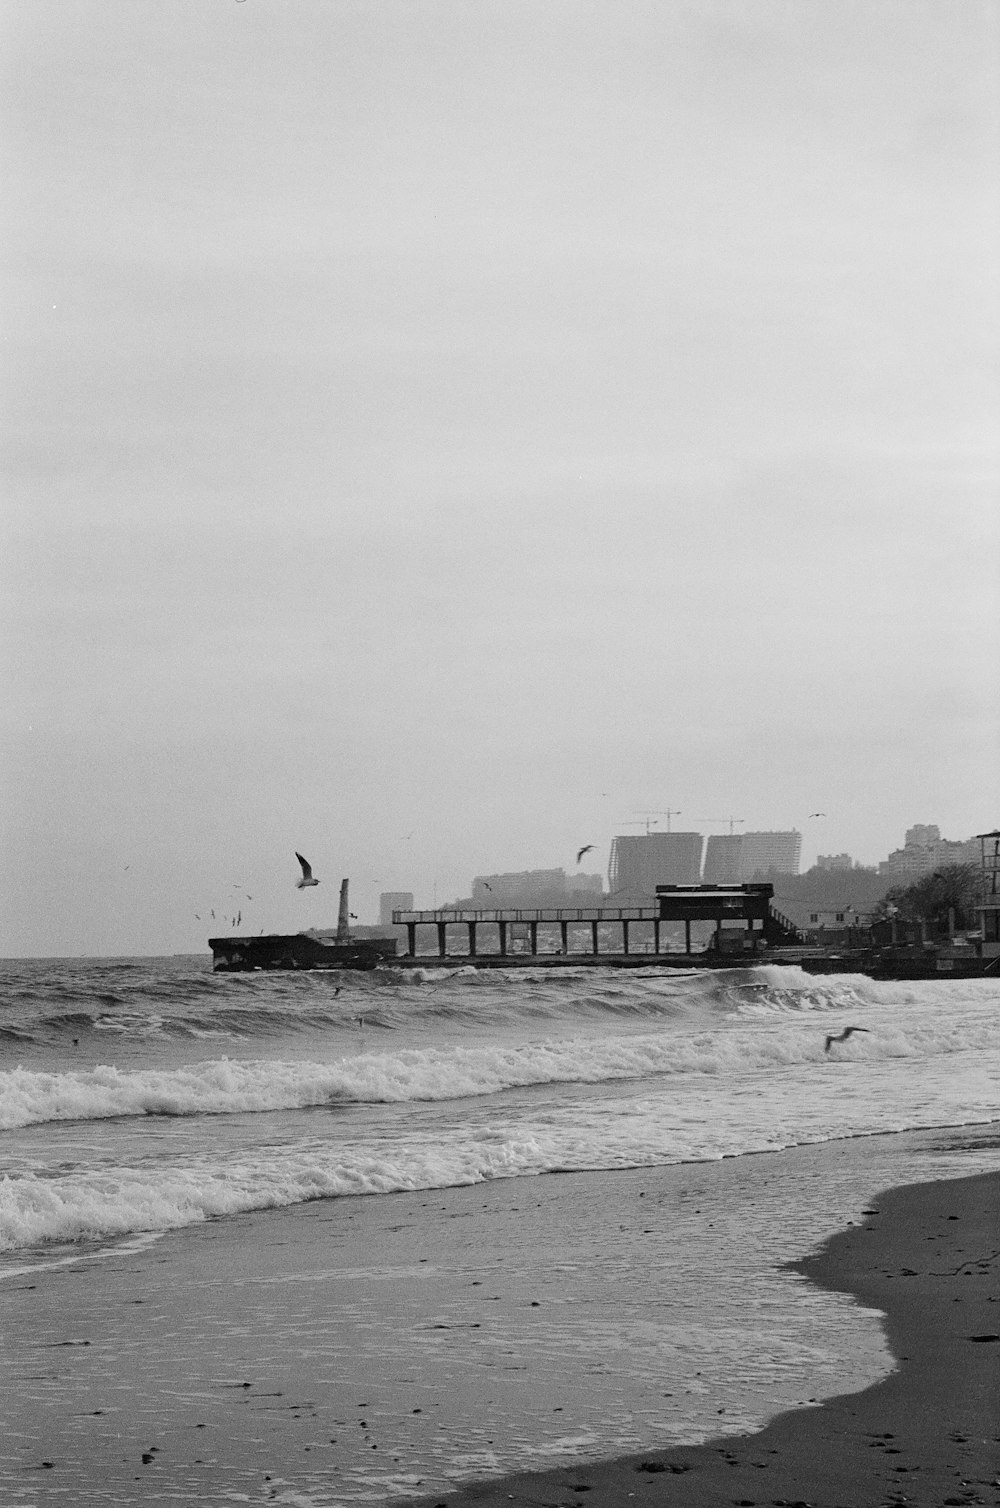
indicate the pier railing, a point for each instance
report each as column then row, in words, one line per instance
column 522, row 914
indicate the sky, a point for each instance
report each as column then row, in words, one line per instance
column 438, row 435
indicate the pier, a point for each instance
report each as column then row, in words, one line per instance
column 506, row 917
column 745, row 928
column 742, row 916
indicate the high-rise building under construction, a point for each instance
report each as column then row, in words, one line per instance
column 722, row 858
column 732, row 858
column 761, row 852
column 640, row 862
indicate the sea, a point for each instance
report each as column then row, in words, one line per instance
column 142, row 1098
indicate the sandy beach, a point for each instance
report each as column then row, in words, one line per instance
column 413, row 1347
column 928, row 1435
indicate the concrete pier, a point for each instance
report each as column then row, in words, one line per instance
column 559, row 918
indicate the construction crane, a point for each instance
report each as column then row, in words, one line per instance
column 730, row 820
column 649, row 818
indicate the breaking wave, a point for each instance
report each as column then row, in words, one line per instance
column 227, row 1086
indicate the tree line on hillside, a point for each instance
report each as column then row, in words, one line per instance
column 954, row 888
column 829, row 889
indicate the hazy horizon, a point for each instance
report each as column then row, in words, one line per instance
column 437, row 434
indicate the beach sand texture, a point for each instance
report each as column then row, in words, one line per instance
column 383, row 1350
column 928, row 1435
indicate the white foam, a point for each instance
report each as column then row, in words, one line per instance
column 733, row 1048
column 678, row 1119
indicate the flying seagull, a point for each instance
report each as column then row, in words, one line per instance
column 817, row 814
column 307, row 874
column 844, row 1035
column 585, row 849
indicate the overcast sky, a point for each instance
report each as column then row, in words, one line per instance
column 440, row 432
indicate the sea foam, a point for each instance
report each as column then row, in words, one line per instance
column 228, row 1086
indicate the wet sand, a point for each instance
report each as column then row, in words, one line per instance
column 370, row 1350
column 929, row 1257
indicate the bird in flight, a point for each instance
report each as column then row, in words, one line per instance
column 307, row 874
column 581, row 851
column 817, row 814
column 843, row 1036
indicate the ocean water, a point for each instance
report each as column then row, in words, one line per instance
column 140, row 1097
column 143, row 1095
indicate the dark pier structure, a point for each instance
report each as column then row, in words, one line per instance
column 743, row 917
column 303, row 950
column 745, row 928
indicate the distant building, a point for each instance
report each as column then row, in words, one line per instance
column 924, row 851
column 825, row 923
column 722, row 859
column 641, row 862
column 393, row 900
column 530, row 888
column 762, row 852
column 834, row 861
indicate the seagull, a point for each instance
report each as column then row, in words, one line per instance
column 817, row 814
column 844, row 1035
column 307, row 874
column 585, row 849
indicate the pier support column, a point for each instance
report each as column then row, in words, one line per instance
column 533, row 934
column 472, row 939
column 503, row 939
column 625, row 936
column 656, row 934
column 411, row 938
column 687, row 937
column 593, row 933
column 563, row 926
column 441, row 939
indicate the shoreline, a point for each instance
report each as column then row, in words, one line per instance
column 927, row 1434
column 405, row 1348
